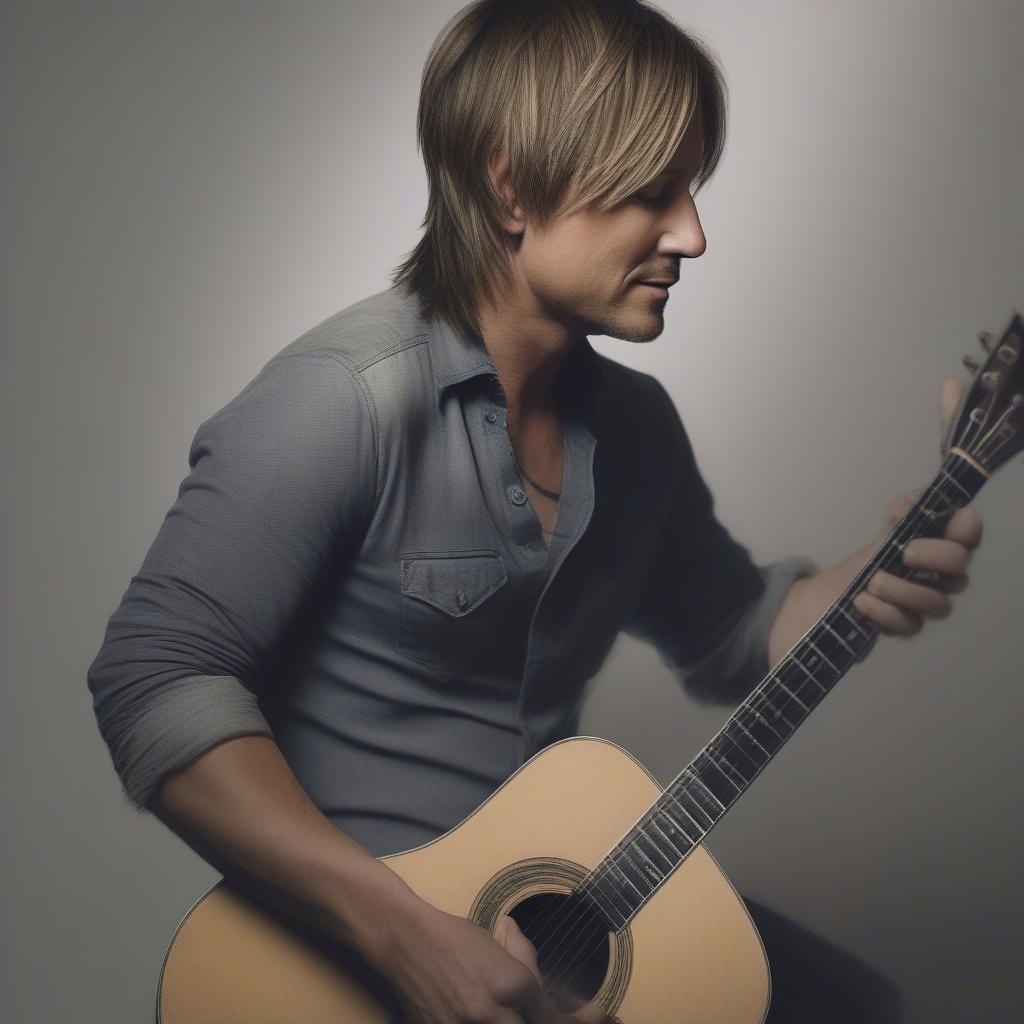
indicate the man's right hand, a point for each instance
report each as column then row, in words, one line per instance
column 444, row 969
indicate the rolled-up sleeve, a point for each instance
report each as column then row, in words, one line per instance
column 706, row 606
column 740, row 659
column 282, row 479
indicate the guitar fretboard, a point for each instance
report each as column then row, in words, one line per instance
column 693, row 803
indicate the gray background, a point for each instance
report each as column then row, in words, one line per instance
column 189, row 186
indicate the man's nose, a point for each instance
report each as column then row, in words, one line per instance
column 685, row 234
column 691, row 231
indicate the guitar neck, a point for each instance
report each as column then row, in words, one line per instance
column 693, row 803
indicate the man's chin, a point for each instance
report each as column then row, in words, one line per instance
column 641, row 329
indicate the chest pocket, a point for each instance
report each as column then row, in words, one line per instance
column 454, row 605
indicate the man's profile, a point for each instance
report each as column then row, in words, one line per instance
column 405, row 547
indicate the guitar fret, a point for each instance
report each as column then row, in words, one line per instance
column 601, row 887
column 792, row 694
column 614, row 863
column 760, row 728
column 711, row 755
column 644, row 833
column 764, row 721
column 700, row 831
column 950, row 506
column 744, row 781
column 639, row 869
column 623, row 919
column 668, row 839
column 753, row 737
column 740, row 749
column 855, row 624
column 810, row 675
column 685, row 792
column 825, row 656
column 657, row 875
column 776, row 713
column 639, row 879
column 840, row 639
column 700, row 782
column 670, row 855
column 956, row 483
column 679, row 828
column 616, row 890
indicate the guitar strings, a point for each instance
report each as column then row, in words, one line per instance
column 702, row 831
column 649, row 815
column 912, row 517
column 568, row 941
column 758, row 691
column 574, row 921
column 565, row 934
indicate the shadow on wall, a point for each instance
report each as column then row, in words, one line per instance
column 814, row 981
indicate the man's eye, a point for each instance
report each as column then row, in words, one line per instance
column 661, row 197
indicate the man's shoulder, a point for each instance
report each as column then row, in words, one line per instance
column 364, row 332
column 378, row 345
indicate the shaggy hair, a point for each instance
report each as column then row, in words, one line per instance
column 589, row 99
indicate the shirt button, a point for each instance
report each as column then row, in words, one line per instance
column 462, row 599
column 516, row 494
column 491, row 416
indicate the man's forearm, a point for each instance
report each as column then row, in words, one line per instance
column 808, row 598
column 239, row 806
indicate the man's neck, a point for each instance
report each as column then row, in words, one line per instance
column 527, row 351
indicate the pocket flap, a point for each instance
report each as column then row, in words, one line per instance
column 455, row 583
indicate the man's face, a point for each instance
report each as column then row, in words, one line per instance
column 581, row 272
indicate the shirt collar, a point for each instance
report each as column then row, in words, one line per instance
column 454, row 360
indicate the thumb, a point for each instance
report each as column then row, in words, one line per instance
column 535, row 1007
column 949, row 398
column 591, row 1013
column 508, row 933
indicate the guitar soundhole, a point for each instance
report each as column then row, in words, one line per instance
column 573, row 946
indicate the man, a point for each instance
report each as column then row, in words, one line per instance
column 405, row 547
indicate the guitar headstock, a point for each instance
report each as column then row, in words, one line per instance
column 989, row 422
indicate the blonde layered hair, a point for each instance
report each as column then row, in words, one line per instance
column 588, row 98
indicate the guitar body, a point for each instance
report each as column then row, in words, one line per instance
column 691, row 954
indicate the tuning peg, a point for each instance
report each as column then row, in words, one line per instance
column 986, row 341
column 971, row 363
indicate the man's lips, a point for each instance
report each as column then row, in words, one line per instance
column 657, row 289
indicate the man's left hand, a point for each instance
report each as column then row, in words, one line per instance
column 900, row 606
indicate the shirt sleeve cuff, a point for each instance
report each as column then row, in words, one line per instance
column 190, row 716
column 729, row 672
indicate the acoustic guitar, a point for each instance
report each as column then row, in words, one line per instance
column 603, row 870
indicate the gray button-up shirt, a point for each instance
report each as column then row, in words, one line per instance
column 353, row 566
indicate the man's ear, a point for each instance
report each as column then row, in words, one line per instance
column 512, row 220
